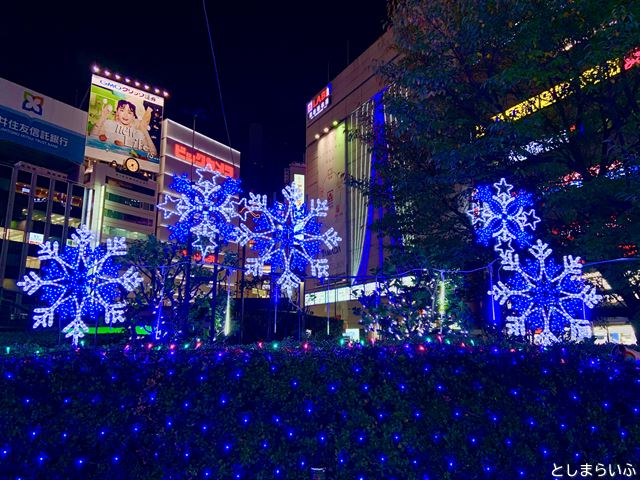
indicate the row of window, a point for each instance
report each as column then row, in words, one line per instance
column 128, row 217
column 130, row 202
column 115, row 182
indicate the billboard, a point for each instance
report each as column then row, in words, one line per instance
column 124, row 122
column 180, row 155
column 36, row 121
column 199, row 158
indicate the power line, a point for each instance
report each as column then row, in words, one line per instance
column 215, row 68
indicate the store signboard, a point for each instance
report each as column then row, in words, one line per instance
column 124, row 122
column 33, row 120
column 182, row 147
column 199, row 158
column 319, row 103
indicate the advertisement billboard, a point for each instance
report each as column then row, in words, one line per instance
column 33, row 120
column 180, row 156
column 124, row 122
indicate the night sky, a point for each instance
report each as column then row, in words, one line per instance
column 272, row 58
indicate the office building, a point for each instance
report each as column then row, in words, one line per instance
column 343, row 106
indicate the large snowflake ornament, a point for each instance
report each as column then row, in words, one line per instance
column 288, row 237
column 81, row 282
column 502, row 216
column 547, row 299
column 204, row 209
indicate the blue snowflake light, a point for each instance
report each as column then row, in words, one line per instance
column 205, row 208
column 81, row 282
column 502, row 216
column 288, row 237
column 547, row 299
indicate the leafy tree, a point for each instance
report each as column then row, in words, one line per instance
column 571, row 68
column 409, row 310
column 163, row 266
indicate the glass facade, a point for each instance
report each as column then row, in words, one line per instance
column 39, row 206
column 130, row 202
column 127, row 217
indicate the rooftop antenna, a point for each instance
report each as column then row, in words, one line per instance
column 347, row 52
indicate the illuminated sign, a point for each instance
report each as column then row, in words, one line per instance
column 319, row 103
column 32, row 120
column 298, row 179
column 591, row 76
column 199, row 158
column 36, row 238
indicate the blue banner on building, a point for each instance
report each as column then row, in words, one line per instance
column 40, row 135
column 35, row 121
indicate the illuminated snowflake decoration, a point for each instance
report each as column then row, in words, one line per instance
column 204, row 209
column 81, row 282
column 502, row 216
column 547, row 299
column 287, row 236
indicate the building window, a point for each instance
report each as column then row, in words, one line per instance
column 33, row 262
column 130, row 202
column 15, row 235
column 114, row 182
column 121, row 232
column 128, row 217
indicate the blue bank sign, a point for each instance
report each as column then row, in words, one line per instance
column 35, row 121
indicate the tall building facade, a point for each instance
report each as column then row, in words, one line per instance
column 41, row 153
column 348, row 104
column 352, row 104
column 50, row 184
column 183, row 151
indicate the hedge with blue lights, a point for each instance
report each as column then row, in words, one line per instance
column 274, row 411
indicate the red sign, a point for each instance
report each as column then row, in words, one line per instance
column 319, row 103
column 201, row 159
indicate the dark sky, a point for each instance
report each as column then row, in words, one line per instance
column 272, row 57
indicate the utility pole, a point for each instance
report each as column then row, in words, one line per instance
column 187, row 293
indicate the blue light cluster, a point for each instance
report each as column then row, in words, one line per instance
column 501, row 216
column 277, row 431
column 288, row 237
column 81, row 282
column 205, row 209
column 547, row 299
